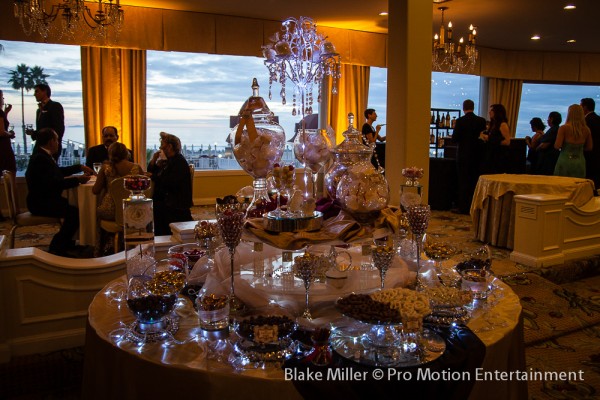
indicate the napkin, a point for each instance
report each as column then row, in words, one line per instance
column 341, row 228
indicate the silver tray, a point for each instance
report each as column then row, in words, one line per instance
column 251, row 352
column 446, row 316
column 276, row 223
column 417, row 349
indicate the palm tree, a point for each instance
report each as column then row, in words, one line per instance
column 25, row 78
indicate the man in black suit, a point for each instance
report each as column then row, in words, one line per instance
column 592, row 158
column 50, row 114
column 45, row 183
column 466, row 136
column 172, row 185
column 99, row 153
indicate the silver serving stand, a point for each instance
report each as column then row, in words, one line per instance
column 274, row 222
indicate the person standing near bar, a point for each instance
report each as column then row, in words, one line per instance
column 466, row 136
column 497, row 140
column 547, row 154
column 592, row 158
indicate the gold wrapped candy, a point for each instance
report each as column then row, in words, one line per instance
column 213, row 302
column 166, row 282
column 206, row 230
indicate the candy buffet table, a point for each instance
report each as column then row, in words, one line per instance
column 492, row 208
column 117, row 368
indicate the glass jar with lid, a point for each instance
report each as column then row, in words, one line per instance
column 353, row 181
column 258, row 144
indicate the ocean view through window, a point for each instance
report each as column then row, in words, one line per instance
column 194, row 97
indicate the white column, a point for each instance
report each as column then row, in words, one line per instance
column 409, row 90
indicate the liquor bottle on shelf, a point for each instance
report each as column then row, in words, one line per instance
column 447, row 123
column 437, row 120
column 453, row 122
column 431, row 138
column 432, row 118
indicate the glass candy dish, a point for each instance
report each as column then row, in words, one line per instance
column 152, row 295
column 136, row 184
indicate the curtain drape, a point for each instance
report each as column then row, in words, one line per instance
column 508, row 93
column 352, row 96
column 114, row 93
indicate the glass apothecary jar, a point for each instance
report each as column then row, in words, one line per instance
column 363, row 192
column 353, row 154
column 258, row 144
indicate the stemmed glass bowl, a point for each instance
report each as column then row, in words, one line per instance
column 418, row 219
column 231, row 216
column 382, row 259
column 305, row 268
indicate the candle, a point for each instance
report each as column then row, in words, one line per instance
column 449, row 30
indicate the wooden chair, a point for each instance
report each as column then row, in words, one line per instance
column 20, row 219
column 118, row 193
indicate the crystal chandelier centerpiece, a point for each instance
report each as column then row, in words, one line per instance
column 448, row 56
column 73, row 15
column 301, row 55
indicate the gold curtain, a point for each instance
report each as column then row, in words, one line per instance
column 352, row 96
column 114, row 93
column 508, row 93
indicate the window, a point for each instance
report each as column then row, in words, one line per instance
column 377, row 97
column 63, row 65
column 539, row 100
column 193, row 97
column 450, row 90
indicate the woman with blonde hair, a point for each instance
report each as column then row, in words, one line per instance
column 118, row 165
column 573, row 138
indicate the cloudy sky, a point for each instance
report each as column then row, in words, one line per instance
column 193, row 95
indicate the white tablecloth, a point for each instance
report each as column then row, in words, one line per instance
column 493, row 210
column 83, row 198
column 119, row 368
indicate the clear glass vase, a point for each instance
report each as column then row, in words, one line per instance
column 312, row 147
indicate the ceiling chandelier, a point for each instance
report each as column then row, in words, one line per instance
column 448, row 56
column 301, row 55
column 73, row 15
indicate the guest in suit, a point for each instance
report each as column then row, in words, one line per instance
column 172, row 184
column 99, row 153
column 547, row 155
column 466, row 136
column 45, row 184
column 50, row 114
column 592, row 158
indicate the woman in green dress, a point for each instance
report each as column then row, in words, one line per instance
column 573, row 139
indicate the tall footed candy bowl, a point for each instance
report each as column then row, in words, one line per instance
column 259, row 142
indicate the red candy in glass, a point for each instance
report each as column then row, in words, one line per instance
column 136, row 183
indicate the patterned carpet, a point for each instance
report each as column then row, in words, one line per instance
column 561, row 319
